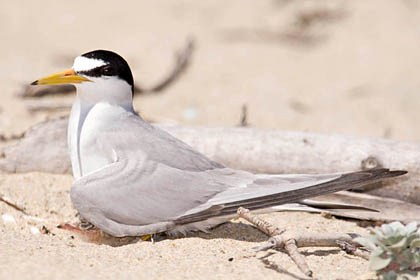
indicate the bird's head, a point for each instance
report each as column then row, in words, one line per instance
column 99, row 76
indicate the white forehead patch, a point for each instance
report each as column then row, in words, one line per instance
column 82, row 63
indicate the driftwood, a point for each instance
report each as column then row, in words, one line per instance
column 32, row 91
column 44, row 148
column 47, row 105
column 271, row 151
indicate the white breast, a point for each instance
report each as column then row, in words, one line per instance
column 93, row 155
column 86, row 124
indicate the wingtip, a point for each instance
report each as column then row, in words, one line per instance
column 398, row 172
column 387, row 173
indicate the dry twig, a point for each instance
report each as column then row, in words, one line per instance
column 291, row 241
column 182, row 60
column 29, row 91
column 47, row 105
column 352, row 249
column 5, row 138
column 12, row 204
column 262, row 225
column 244, row 116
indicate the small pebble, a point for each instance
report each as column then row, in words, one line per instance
column 34, row 219
column 35, row 230
column 7, row 219
column 190, row 114
column 45, row 230
column 326, row 215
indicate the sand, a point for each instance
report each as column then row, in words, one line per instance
column 348, row 67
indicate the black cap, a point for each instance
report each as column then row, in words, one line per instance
column 115, row 66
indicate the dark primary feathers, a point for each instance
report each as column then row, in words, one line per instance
column 345, row 181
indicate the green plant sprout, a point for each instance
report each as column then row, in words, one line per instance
column 395, row 250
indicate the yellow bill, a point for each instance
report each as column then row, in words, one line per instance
column 65, row 77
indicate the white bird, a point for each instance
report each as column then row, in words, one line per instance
column 133, row 179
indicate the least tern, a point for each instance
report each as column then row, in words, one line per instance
column 133, row 179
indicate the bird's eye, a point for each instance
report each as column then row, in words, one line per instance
column 108, row 71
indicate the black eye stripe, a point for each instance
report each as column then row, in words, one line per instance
column 95, row 72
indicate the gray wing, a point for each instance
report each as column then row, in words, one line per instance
column 162, row 183
column 126, row 197
column 129, row 198
column 133, row 138
column 122, row 200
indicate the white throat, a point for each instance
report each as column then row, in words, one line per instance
column 110, row 90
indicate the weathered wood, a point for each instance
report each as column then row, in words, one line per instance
column 271, row 151
column 47, row 105
column 266, row 151
column 42, row 148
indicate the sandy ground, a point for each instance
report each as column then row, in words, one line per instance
column 347, row 67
